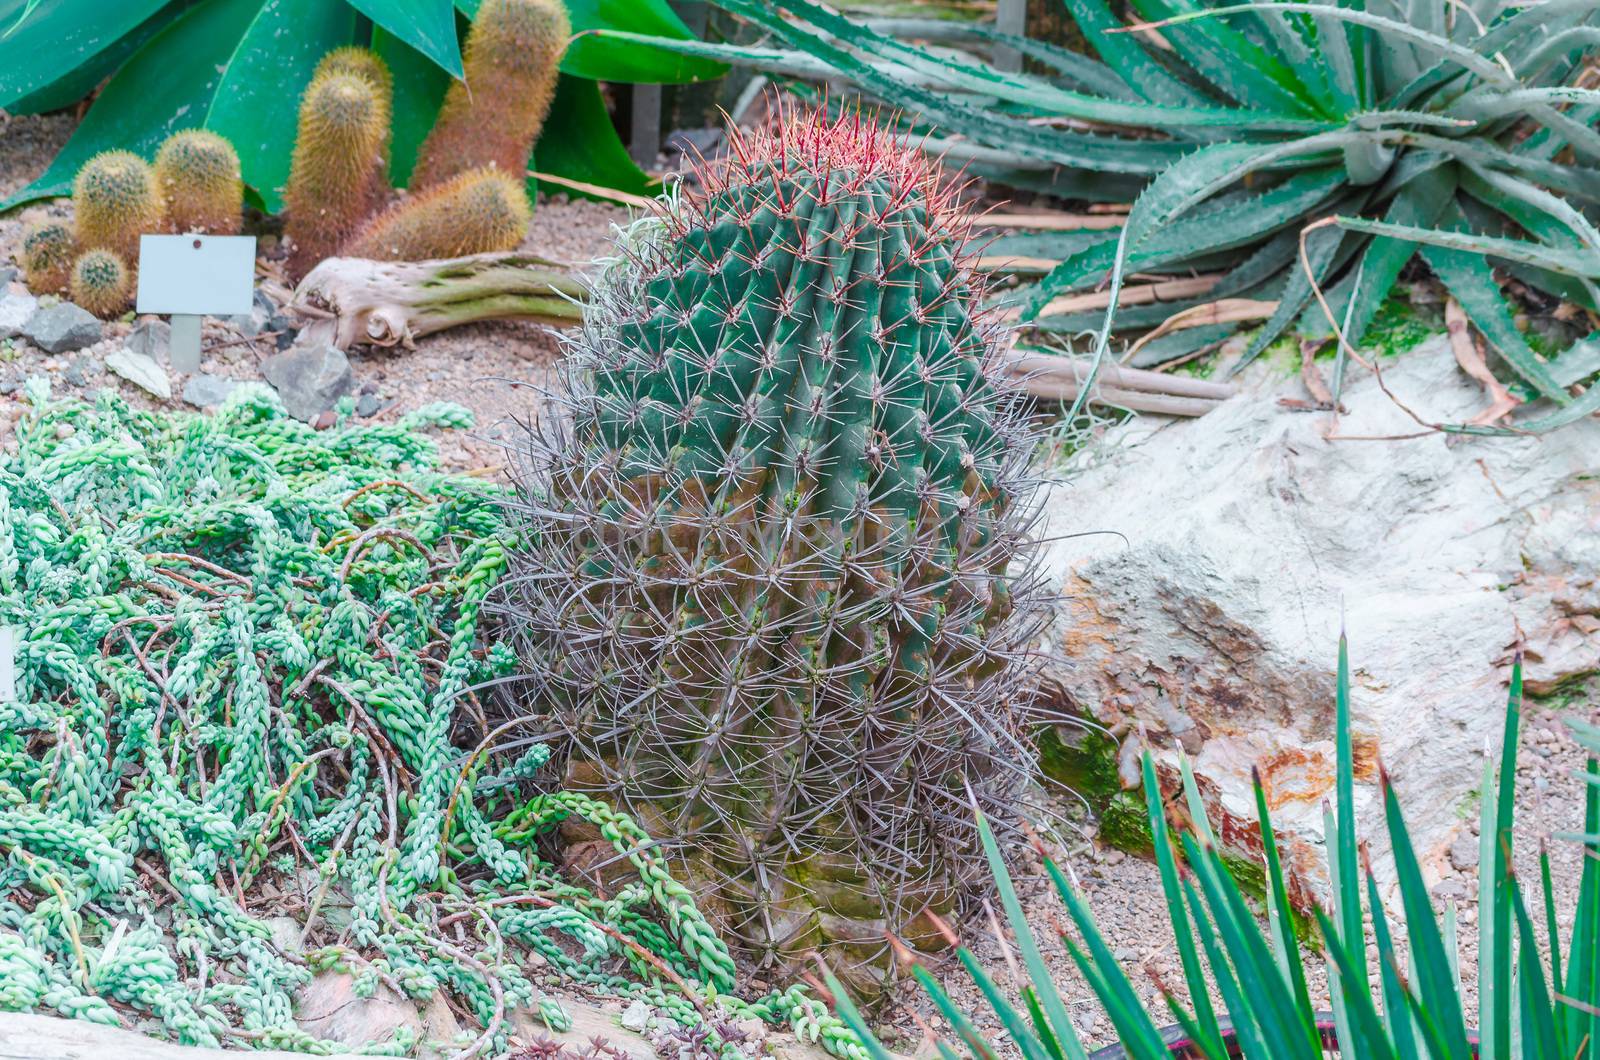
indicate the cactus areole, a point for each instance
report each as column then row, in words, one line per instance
column 778, row 591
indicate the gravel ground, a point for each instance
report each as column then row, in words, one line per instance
column 480, row 367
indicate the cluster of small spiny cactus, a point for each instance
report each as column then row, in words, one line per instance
column 466, row 192
column 117, row 197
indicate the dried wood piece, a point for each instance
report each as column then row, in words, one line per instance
column 345, row 301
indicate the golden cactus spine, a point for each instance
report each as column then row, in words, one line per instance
column 493, row 118
column 337, row 175
column 477, row 212
column 47, row 254
column 197, row 173
column 114, row 202
column 100, row 283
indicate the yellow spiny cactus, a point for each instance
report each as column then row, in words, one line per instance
column 474, row 213
column 511, row 62
column 100, row 283
column 114, row 202
column 338, row 175
column 197, row 173
column 47, row 253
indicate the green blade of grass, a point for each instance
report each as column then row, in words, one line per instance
column 1396, row 1012
column 1365, row 1026
column 1288, row 946
column 1210, row 1033
column 1347, row 888
column 1439, row 997
column 1537, row 1011
column 1247, row 1030
column 1038, row 972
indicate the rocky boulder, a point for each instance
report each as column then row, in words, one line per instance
column 1236, row 545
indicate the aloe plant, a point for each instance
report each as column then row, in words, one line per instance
column 1531, row 1005
column 1455, row 127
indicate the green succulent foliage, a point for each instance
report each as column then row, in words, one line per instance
column 238, row 67
column 1457, row 130
column 1530, row 1006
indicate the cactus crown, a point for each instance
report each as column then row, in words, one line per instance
column 47, row 253
column 518, row 34
column 100, row 283
column 358, row 62
column 114, row 201
column 198, row 173
column 779, row 589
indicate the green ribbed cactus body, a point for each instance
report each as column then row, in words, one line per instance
column 776, row 598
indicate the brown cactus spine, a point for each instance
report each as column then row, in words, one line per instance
column 511, row 62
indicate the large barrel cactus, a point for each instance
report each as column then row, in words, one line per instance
column 778, row 596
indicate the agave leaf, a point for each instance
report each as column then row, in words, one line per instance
column 1538, row 1023
column 1557, row 259
column 1470, row 279
column 1245, row 1025
column 1266, row 994
column 970, row 1036
column 1347, row 889
column 1551, row 926
column 1396, row 1008
column 1229, row 60
column 1016, row 1026
column 1124, row 54
column 1365, row 1026
column 1356, row 302
column 1582, row 1022
column 1042, row 96
column 1099, row 965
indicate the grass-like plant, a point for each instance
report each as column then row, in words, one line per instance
column 1531, row 1006
column 1461, row 129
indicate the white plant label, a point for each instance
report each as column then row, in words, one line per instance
column 194, row 276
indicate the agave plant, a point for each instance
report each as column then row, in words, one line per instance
column 1527, row 1009
column 1462, row 128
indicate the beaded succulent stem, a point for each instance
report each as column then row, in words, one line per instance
column 778, row 593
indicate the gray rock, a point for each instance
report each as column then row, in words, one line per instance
column 152, row 338
column 636, row 1016
column 204, row 390
column 17, row 307
column 1464, row 852
column 61, row 328
column 259, row 319
column 143, row 372
column 368, row 405
column 74, row 374
column 309, row 379
column 7, row 274
column 1236, row 544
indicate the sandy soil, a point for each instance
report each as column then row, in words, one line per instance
column 481, row 366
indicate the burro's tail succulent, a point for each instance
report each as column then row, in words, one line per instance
column 114, row 202
column 493, row 117
column 779, row 592
column 337, row 176
column 197, row 173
